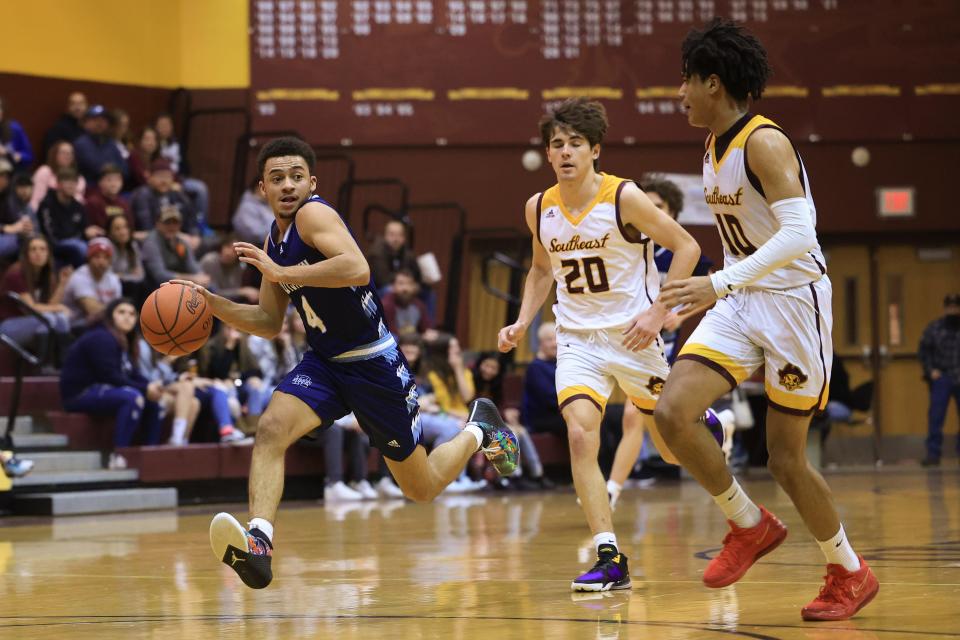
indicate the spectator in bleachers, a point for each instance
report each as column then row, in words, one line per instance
column 127, row 258
column 95, row 147
column 403, row 311
column 389, row 254
column 227, row 272
column 14, row 225
column 144, row 153
column 451, row 380
column 17, row 203
column 94, row 285
column 437, row 426
column 539, row 408
column 120, row 132
column 60, row 156
column 104, row 200
column 488, row 379
column 69, row 126
column 158, row 194
column 100, row 377
column 227, row 359
column 64, row 222
column 171, row 149
column 253, row 217
column 940, row 358
column 166, row 255
column 14, row 144
column 40, row 286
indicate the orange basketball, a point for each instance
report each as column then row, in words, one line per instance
column 176, row 320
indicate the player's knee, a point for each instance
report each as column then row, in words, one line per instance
column 271, row 432
column 419, row 492
column 784, row 466
column 582, row 441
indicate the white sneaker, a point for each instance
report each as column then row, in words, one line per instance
column 116, row 462
column 339, row 492
column 365, row 489
column 386, row 488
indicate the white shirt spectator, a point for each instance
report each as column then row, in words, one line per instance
column 83, row 285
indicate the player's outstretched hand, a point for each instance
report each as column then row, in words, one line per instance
column 692, row 293
column 509, row 337
column 644, row 329
column 257, row 257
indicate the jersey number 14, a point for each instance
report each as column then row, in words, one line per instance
column 313, row 320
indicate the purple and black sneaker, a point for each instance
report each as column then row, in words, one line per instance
column 610, row 572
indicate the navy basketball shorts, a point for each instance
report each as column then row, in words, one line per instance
column 380, row 392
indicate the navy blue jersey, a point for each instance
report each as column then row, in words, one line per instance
column 343, row 324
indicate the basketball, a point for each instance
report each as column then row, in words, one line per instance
column 176, row 320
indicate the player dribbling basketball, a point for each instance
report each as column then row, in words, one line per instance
column 311, row 259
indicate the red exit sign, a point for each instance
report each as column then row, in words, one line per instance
column 895, row 202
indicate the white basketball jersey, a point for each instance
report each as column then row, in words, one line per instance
column 604, row 278
column 744, row 217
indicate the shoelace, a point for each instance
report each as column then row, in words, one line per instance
column 727, row 554
column 833, row 588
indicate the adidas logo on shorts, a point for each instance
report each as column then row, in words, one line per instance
column 393, row 443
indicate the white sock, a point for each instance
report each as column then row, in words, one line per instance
column 838, row 551
column 263, row 525
column 179, row 430
column 614, row 488
column 738, row 507
column 605, row 537
column 477, row 433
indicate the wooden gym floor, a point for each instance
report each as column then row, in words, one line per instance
column 487, row 566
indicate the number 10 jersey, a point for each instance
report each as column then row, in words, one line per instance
column 745, row 219
column 605, row 271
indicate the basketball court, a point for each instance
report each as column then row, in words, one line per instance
column 487, row 566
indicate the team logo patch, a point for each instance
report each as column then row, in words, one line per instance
column 706, row 158
column 792, row 377
column 655, row 385
column 301, row 380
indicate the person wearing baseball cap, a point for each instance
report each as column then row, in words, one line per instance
column 94, row 285
column 940, row 358
column 95, row 148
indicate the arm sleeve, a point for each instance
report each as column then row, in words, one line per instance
column 795, row 237
column 104, row 356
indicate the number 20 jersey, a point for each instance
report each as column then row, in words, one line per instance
column 343, row 324
column 745, row 219
column 605, row 273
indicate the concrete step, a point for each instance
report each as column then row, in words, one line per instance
column 38, row 441
column 109, row 501
column 58, row 461
column 76, row 477
column 23, row 424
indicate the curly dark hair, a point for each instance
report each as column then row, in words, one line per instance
column 668, row 191
column 732, row 53
column 586, row 117
column 287, row 146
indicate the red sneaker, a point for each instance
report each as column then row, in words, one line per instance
column 742, row 547
column 845, row 593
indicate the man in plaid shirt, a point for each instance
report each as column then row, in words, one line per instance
column 940, row 357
